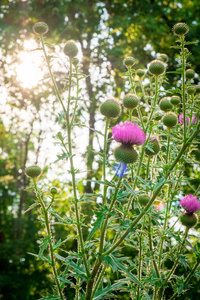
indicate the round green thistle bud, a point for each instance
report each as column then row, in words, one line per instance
column 189, row 74
column 143, row 199
column 131, row 101
column 180, row 29
column 53, row 190
column 40, row 28
column 126, row 154
column 110, row 108
column 165, row 104
column 157, row 116
column 170, row 119
column 70, row 49
column 129, row 61
column 175, row 100
column 189, row 219
column 75, row 61
column 33, row 171
column 190, row 90
column 145, row 119
column 140, row 72
column 163, row 57
column 156, row 67
column 197, row 88
column 154, row 145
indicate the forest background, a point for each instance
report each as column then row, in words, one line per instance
column 106, row 32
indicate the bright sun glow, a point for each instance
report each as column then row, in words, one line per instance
column 29, row 69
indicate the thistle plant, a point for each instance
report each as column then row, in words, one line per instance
column 150, row 171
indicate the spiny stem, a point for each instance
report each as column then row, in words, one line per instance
column 104, row 161
column 103, row 230
column 98, row 281
column 46, row 217
column 183, row 84
column 52, row 77
column 174, row 266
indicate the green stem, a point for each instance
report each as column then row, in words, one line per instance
column 103, row 230
column 98, row 281
column 131, row 80
column 140, row 260
column 46, row 217
column 104, row 161
column 130, row 114
column 73, row 175
column 76, row 103
column 51, row 74
column 161, row 291
column 183, row 85
column 154, row 103
column 151, row 249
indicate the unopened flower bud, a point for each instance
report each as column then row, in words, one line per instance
column 40, row 28
column 190, row 90
column 170, row 119
column 189, row 219
column 165, row 104
column 189, row 74
column 110, row 108
column 140, row 72
column 70, row 49
column 126, row 154
column 33, row 171
column 131, row 101
column 180, row 29
column 75, row 61
column 143, row 199
column 129, row 61
column 152, row 147
column 197, row 87
column 175, row 100
column 53, row 190
column 163, row 57
column 157, row 67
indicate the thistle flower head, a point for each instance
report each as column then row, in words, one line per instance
column 128, row 133
column 190, row 203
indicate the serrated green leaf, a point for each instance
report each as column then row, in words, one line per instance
column 129, row 188
column 124, row 269
column 31, row 207
column 96, row 225
column 101, row 293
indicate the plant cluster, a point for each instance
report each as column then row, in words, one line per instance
column 140, row 207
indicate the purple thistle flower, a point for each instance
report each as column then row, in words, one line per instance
column 180, row 119
column 190, row 203
column 128, row 133
column 120, row 168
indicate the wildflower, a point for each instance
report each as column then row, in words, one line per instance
column 180, row 119
column 190, row 203
column 128, row 133
column 120, row 168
